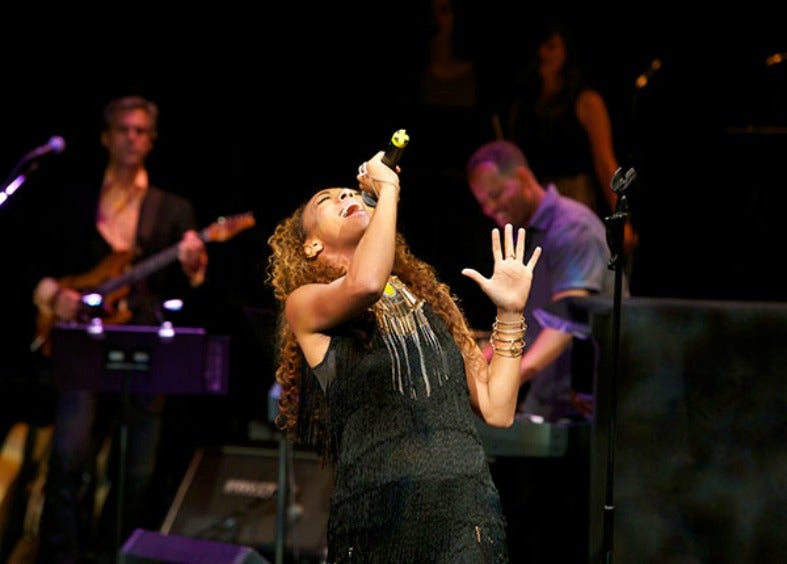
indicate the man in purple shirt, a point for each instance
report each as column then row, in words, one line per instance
column 575, row 265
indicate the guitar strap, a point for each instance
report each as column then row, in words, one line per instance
column 148, row 217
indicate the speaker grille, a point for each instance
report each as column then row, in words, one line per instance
column 230, row 494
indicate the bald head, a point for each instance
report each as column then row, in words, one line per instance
column 505, row 155
column 503, row 184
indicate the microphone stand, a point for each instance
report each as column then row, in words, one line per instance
column 615, row 231
column 18, row 176
column 27, row 165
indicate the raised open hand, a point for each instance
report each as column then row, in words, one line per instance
column 509, row 286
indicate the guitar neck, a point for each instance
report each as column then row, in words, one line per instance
column 221, row 230
column 139, row 271
column 143, row 269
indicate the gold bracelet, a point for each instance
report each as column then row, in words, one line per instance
column 511, row 332
column 505, row 326
column 509, row 328
column 515, row 349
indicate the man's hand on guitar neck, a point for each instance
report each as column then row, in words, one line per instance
column 54, row 300
column 193, row 257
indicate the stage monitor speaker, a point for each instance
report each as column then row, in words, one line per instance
column 700, row 419
column 229, row 494
column 148, row 547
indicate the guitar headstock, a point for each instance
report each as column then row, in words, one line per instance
column 227, row 227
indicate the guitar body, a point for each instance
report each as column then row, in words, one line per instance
column 111, row 267
column 23, row 465
column 12, row 457
column 112, row 307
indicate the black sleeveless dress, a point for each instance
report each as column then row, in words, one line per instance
column 412, row 478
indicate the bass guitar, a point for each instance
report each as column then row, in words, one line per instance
column 110, row 279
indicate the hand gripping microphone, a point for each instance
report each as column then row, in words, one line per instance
column 393, row 153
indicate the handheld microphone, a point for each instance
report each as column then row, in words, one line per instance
column 396, row 145
column 56, row 145
column 393, row 153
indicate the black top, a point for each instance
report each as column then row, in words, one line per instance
column 412, row 478
column 551, row 136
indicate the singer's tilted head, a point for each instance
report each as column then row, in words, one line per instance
column 316, row 242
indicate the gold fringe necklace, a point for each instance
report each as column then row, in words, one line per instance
column 401, row 319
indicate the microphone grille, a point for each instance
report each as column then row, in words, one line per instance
column 57, row 144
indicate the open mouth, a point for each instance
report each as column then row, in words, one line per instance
column 350, row 209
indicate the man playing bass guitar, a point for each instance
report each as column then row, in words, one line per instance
column 126, row 216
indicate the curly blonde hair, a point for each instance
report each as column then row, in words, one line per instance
column 289, row 268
